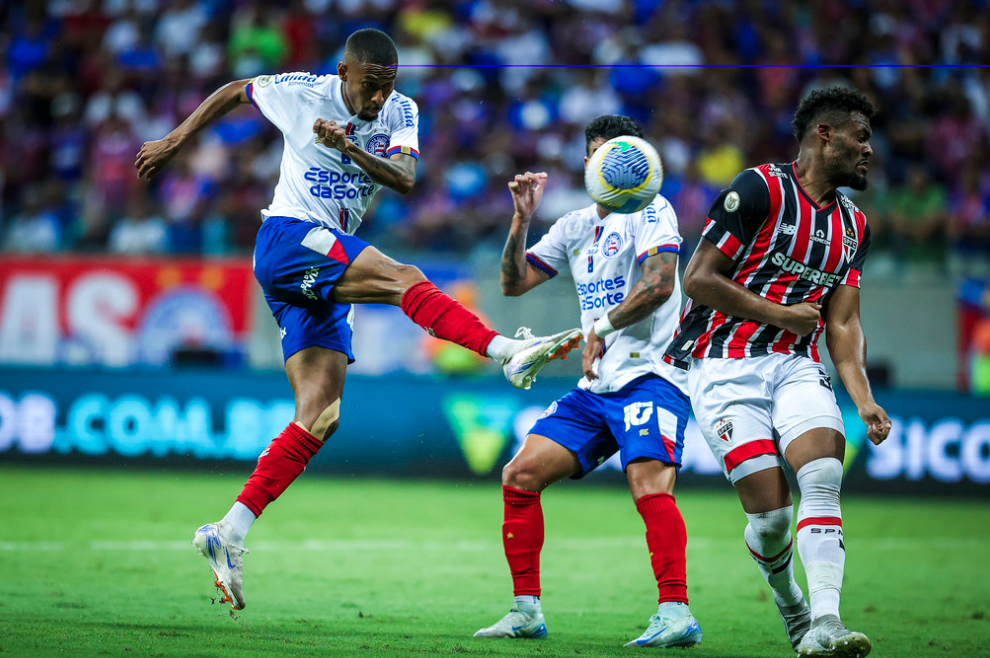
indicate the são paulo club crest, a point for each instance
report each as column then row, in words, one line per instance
column 377, row 145
column 723, row 429
column 611, row 245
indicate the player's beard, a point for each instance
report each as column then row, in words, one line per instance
column 842, row 174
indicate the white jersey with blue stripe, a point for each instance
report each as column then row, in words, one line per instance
column 317, row 183
column 604, row 256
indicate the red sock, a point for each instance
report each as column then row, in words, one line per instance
column 444, row 317
column 279, row 464
column 666, row 537
column 522, row 537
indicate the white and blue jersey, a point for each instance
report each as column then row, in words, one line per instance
column 604, row 256
column 638, row 406
column 317, row 183
column 306, row 241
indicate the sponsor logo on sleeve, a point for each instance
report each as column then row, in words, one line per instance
column 731, row 203
column 263, row 80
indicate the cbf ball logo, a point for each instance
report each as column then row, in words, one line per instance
column 611, row 245
column 377, row 145
column 625, row 167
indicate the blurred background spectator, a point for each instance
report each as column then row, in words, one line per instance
column 84, row 82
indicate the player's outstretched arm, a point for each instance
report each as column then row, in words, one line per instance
column 707, row 282
column 397, row 172
column 847, row 347
column 517, row 275
column 647, row 295
column 155, row 155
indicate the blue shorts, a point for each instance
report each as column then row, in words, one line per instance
column 297, row 264
column 646, row 418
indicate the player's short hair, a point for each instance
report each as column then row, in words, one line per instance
column 833, row 104
column 371, row 46
column 610, row 126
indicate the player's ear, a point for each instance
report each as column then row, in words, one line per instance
column 342, row 71
column 824, row 131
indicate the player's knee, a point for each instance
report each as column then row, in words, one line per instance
column 820, row 479
column 772, row 525
column 649, row 476
column 321, row 418
column 409, row 274
column 520, row 474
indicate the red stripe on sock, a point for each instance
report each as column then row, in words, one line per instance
column 279, row 464
column 444, row 317
column 522, row 539
column 775, row 557
column 819, row 520
column 666, row 537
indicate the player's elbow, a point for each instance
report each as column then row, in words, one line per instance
column 404, row 184
column 511, row 290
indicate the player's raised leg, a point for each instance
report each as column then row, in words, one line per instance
column 538, row 464
column 374, row 278
column 317, row 378
column 816, row 457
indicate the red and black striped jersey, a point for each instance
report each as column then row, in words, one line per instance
column 787, row 249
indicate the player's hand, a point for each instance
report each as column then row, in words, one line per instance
column 527, row 192
column 877, row 422
column 800, row 319
column 330, row 134
column 155, row 155
column 592, row 350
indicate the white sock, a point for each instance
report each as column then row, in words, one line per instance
column 497, row 346
column 819, row 534
column 768, row 536
column 673, row 610
column 528, row 601
column 240, row 518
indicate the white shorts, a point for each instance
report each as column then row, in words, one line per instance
column 750, row 409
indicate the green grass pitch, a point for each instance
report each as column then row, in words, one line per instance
column 98, row 563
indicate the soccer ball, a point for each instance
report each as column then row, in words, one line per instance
column 624, row 174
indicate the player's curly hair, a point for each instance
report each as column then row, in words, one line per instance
column 372, row 46
column 829, row 102
column 610, row 126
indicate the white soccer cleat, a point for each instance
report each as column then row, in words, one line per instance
column 666, row 632
column 225, row 558
column 527, row 357
column 521, row 622
column 830, row 639
column 797, row 621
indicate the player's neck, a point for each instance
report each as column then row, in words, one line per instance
column 603, row 212
column 811, row 175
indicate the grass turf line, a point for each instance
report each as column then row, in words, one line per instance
column 98, row 563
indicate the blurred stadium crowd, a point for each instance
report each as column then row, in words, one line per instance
column 84, row 82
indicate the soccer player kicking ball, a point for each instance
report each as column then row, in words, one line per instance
column 625, row 269
column 312, row 268
column 780, row 264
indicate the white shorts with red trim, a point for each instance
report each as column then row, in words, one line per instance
column 750, row 409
